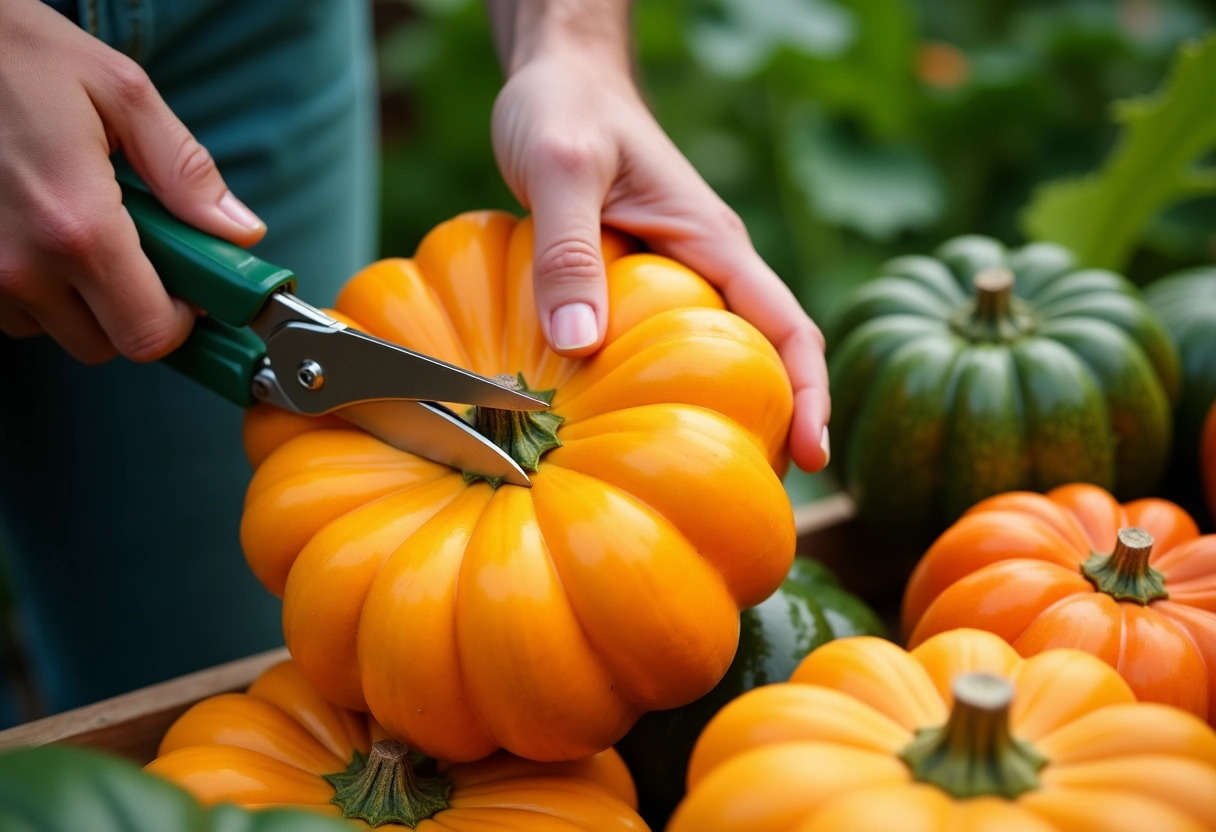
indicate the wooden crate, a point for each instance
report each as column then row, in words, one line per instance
column 132, row 724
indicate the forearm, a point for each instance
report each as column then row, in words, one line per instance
column 527, row 29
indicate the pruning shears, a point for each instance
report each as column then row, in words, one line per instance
column 259, row 342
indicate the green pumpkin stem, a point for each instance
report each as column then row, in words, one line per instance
column 524, row 434
column 995, row 313
column 1125, row 574
column 383, row 787
column 974, row 754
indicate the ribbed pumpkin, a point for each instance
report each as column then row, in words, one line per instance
column 281, row 744
column 1186, row 304
column 960, row 734
column 809, row 609
column 466, row 617
column 983, row 370
column 1134, row 584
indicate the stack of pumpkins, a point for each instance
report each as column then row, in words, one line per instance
column 466, row 656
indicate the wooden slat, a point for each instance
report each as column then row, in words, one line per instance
column 875, row 570
column 132, row 724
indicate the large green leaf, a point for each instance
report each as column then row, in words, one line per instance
column 1103, row 216
column 877, row 189
column 63, row 789
column 737, row 38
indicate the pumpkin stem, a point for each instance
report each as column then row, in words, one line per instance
column 995, row 313
column 383, row 787
column 974, row 754
column 524, row 434
column 1125, row 574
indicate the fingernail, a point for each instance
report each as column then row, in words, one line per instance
column 826, row 444
column 236, row 211
column 573, row 326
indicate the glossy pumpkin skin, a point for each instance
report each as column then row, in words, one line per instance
column 544, row 620
column 1186, row 304
column 809, row 609
column 272, row 745
column 822, row 753
column 65, row 789
column 941, row 398
column 1012, row 566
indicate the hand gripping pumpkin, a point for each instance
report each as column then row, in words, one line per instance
column 281, row 744
column 545, row 620
column 1134, row 584
column 959, row 734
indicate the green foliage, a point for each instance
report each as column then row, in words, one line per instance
column 827, row 124
column 1102, row 216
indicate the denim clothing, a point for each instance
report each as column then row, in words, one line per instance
column 121, row 486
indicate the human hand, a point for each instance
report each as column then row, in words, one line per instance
column 578, row 147
column 70, row 261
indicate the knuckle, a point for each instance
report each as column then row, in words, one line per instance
column 148, row 340
column 725, row 220
column 193, row 164
column 74, row 232
column 569, row 261
column 128, row 80
column 572, row 155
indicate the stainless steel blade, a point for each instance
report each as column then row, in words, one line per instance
column 321, row 368
column 436, row 433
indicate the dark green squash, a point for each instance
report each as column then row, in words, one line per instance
column 1186, row 303
column 983, row 370
column 62, row 789
column 809, row 609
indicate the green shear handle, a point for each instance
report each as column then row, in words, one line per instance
column 227, row 282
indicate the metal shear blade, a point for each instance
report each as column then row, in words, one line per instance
column 315, row 365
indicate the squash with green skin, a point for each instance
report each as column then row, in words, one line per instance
column 809, row 609
column 63, row 789
column 1186, row 304
column 983, row 370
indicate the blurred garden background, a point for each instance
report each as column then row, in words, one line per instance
column 844, row 132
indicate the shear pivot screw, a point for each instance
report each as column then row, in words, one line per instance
column 311, row 375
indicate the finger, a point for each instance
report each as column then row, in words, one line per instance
column 16, row 323
column 56, row 309
column 721, row 251
column 89, row 243
column 174, row 166
column 126, row 295
column 566, row 195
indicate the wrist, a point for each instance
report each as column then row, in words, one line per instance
column 589, row 31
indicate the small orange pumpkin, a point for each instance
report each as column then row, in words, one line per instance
column 281, row 744
column 959, row 734
column 1133, row 584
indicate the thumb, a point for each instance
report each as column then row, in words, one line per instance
column 174, row 166
column 568, row 266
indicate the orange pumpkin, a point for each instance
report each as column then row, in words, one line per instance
column 1133, row 584
column 281, row 744
column 466, row 617
column 1208, row 460
column 959, row 734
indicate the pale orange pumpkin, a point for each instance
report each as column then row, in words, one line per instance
column 959, row 734
column 281, row 744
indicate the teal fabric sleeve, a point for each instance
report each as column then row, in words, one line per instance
column 121, row 486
